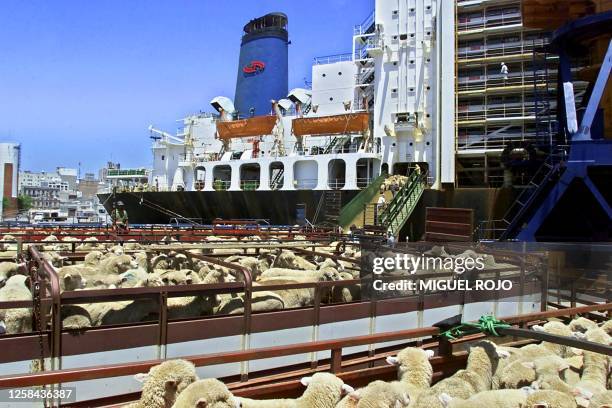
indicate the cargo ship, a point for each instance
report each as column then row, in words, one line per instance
column 459, row 99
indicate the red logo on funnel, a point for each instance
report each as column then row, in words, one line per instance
column 255, row 67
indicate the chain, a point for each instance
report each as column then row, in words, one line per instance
column 38, row 316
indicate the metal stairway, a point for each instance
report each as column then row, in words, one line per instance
column 277, row 180
column 548, row 172
column 397, row 212
column 332, row 201
column 335, row 144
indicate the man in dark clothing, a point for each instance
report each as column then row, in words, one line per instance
column 120, row 217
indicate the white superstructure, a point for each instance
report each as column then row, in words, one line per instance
column 400, row 71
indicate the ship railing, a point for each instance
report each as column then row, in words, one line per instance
column 504, row 110
column 332, row 59
column 492, row 141
column 249, row 185
column 488, row 21
column 305, row 184
column 499, row 49
column 221, row 185
column 366, row 26
column 336, row 184
column 481, row 82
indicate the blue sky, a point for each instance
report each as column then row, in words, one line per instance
column 80, row 81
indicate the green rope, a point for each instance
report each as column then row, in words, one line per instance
column 487, row 324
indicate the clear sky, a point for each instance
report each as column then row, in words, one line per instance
column 80, row 81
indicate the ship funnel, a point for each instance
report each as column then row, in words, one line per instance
column 263, row 64
column 223, row 103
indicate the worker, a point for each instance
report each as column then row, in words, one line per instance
column 390, row 239
column 504, row 70
column 120, row 217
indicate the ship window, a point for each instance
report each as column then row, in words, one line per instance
column 324, row 75
column 339, row 73
column 331, row 98
column 163, row 157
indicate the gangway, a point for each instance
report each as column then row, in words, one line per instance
column 396, row 214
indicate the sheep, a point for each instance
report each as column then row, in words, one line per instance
column 289, row 260
column 75, row 317
column 208, row 393
column 53, row 258
column 581, row 324
column 254, row 265
column 414, row 370
column 8, row 269
column 18, row 320
column 548, row 371
column 93, row 258
column 88, row 244
column 476, row 377
column 121, row 312
column 559, row 329
column 50, row 238
column 73, row 277
column 164, row 382
column 264, row 301
column 323, row 390
column 117, row 264
column 516, row 375
column 549, row 399
column 595, row 368
column 377, row 394
column 301, row 275
column 607, row 327
column 602, row 400
column 510, row 398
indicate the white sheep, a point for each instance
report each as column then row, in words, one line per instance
column 607, row 327
column 93, row 258
column 289, row 260
column 510, row 398
column 595, row 367
column 559, row 329
column 17, row 320
column 264, row 301
column 550, row 373
column 327, row 274
column 208, row 393
column 414, row 370
column 164, row 382
column 73, row 277
column 549, row 399
column 378, row 394
column 8, row 269
column 516, row 375
column 117, row 264
column 476, row 377
column 323, row 390
column 581, row 324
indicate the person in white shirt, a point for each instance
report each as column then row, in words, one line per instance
column 504, row 70
column 380, row 205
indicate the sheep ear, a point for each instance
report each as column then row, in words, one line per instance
column 393, row 361
column 540, row 405
column 503, row 353
column 538, row 328
column 445, row 399
column 405, row 399
column 237, row 404
column 201, row 403
column 347, row 389
column 355, row 395
column 564, row 366
column 535, row 385
column 305, row 381
column 582, row 392
column 577, row 351
column 141, row 377
column 429, row 353
column 528, row 364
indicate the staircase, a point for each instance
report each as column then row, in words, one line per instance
column 354, row 210
column 335, row 144
column 332, row 201
column 518, row 213
column 397, row 212
column 277, row 180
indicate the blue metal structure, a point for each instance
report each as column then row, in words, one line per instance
column 573, row 199
column 263, row 65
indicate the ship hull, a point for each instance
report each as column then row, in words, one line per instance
column 277, row 207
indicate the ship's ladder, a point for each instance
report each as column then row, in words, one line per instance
column 395, row 215
column 336, row 144
column 519, row 211
column 277, row 180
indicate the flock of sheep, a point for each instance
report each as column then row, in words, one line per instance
column 536, row 375
column 108, row 266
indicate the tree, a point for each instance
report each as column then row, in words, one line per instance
column 24, row 202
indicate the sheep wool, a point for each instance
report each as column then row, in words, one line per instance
column 16, row 320
column 581, row 324
column 516, row 375
column 607, row 327
column 164, row 382
column 550, row 399
column 208, row 393
column 323, row 390
column 414, row 369
column 475, row 378
column 487, row 399
column 377, row 394
column 8, row 269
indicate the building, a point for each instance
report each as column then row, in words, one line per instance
column 43, row 197
column 10, row 155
